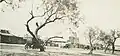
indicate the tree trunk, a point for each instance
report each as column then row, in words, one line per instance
column 106, row 48
column 113, row 46
column 91, row 50
column 37, row 44
column 40, row 44
column 91, row 47
column 42, row 49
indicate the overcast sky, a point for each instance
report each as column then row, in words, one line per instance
column 102, row 13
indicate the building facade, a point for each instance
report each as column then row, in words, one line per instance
column 7, row 37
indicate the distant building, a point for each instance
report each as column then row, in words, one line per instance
column 117, row 47
column 57, row 42
column 7, row 37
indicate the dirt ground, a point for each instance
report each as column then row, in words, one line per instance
column 18, row 50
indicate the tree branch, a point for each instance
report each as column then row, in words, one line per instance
column 51, row 16
column 37, row 24
column 47, row 11
column 7, row 2
column 51, row 38
column 46, row 21
column 36, row 31
column 54, row 20
column 27, row 25
column 4, row 1
column 93, row 40
column 28, row 29
column 31, row 13
column 44, row 13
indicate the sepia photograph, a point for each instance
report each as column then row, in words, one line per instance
column 59, row 27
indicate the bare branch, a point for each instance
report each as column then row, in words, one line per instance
column 40, row 15
column 37, row 24
column 30, row 20
column 36, row 31
column 51, row 16
column 93, row 40
column 46, row 11
column 5, row 1
column 39, row 27
column 2, row 1
column 31, row 13
column 28, row 29
column 27, row 25
column 54, row 20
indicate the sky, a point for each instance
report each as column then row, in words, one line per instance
column 102, row 13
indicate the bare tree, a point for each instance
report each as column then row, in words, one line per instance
column 115, row 34
column 109, row 39
column 107, row 42
column 105, row 38
column 92, row 35
column 53, row 10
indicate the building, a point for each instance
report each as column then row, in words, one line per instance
column 117, row 47
column 57, row 42
column 7, row 37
